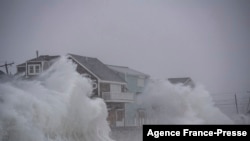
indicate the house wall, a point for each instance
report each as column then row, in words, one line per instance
column 46, row 65
column 116, row 110
column 115, row 114
column 21, row 69
column 132, row 84
column 104, row 87
column 132, row 109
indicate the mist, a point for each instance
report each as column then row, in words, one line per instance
column 205, row 40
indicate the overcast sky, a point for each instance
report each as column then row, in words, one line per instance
column 207, row 40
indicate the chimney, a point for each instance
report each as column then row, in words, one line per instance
column 37, row 54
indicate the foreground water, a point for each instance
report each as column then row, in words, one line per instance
column 56, row 107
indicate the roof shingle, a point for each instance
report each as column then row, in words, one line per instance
column 98, row 68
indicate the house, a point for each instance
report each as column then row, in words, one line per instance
column 135, row 115
column 35, row 66
column 185, row 81
column 106, row 83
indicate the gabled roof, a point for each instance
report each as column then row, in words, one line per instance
column 127, row 70
column 186, row 81
column 182, row 80
column 21, row 65
column 98, row 68
column 40, row 58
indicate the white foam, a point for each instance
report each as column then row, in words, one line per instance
column 175, row 104
column 56, row 107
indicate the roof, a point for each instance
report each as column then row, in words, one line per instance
column 127, row 70
column 98, row 68
column 182, row 80
column 44, row 58
column 40, row 58
column 21, row 65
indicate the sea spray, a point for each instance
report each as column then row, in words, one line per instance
column 166, row 103
column 56, row 106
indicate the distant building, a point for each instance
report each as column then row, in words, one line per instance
column 185, row 81
column 135, row 115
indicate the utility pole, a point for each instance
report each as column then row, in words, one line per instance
column 236, row 104
column 248, row 110
column 6, row 66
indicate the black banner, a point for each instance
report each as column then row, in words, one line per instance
column 162, row 132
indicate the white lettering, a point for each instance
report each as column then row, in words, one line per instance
column 185, row 131
column 150, row 132
column 157, row 134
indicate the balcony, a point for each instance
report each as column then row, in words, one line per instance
column 118, row 97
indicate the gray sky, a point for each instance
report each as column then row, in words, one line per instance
column 208, row 40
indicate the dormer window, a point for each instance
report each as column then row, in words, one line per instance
column 34, row 69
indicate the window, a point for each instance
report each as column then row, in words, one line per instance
column 31, row 69
column 119, row 115
column 105, row 87
column 115, row 88
column 34, row 69
column 140, row 82
column 37, row 68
